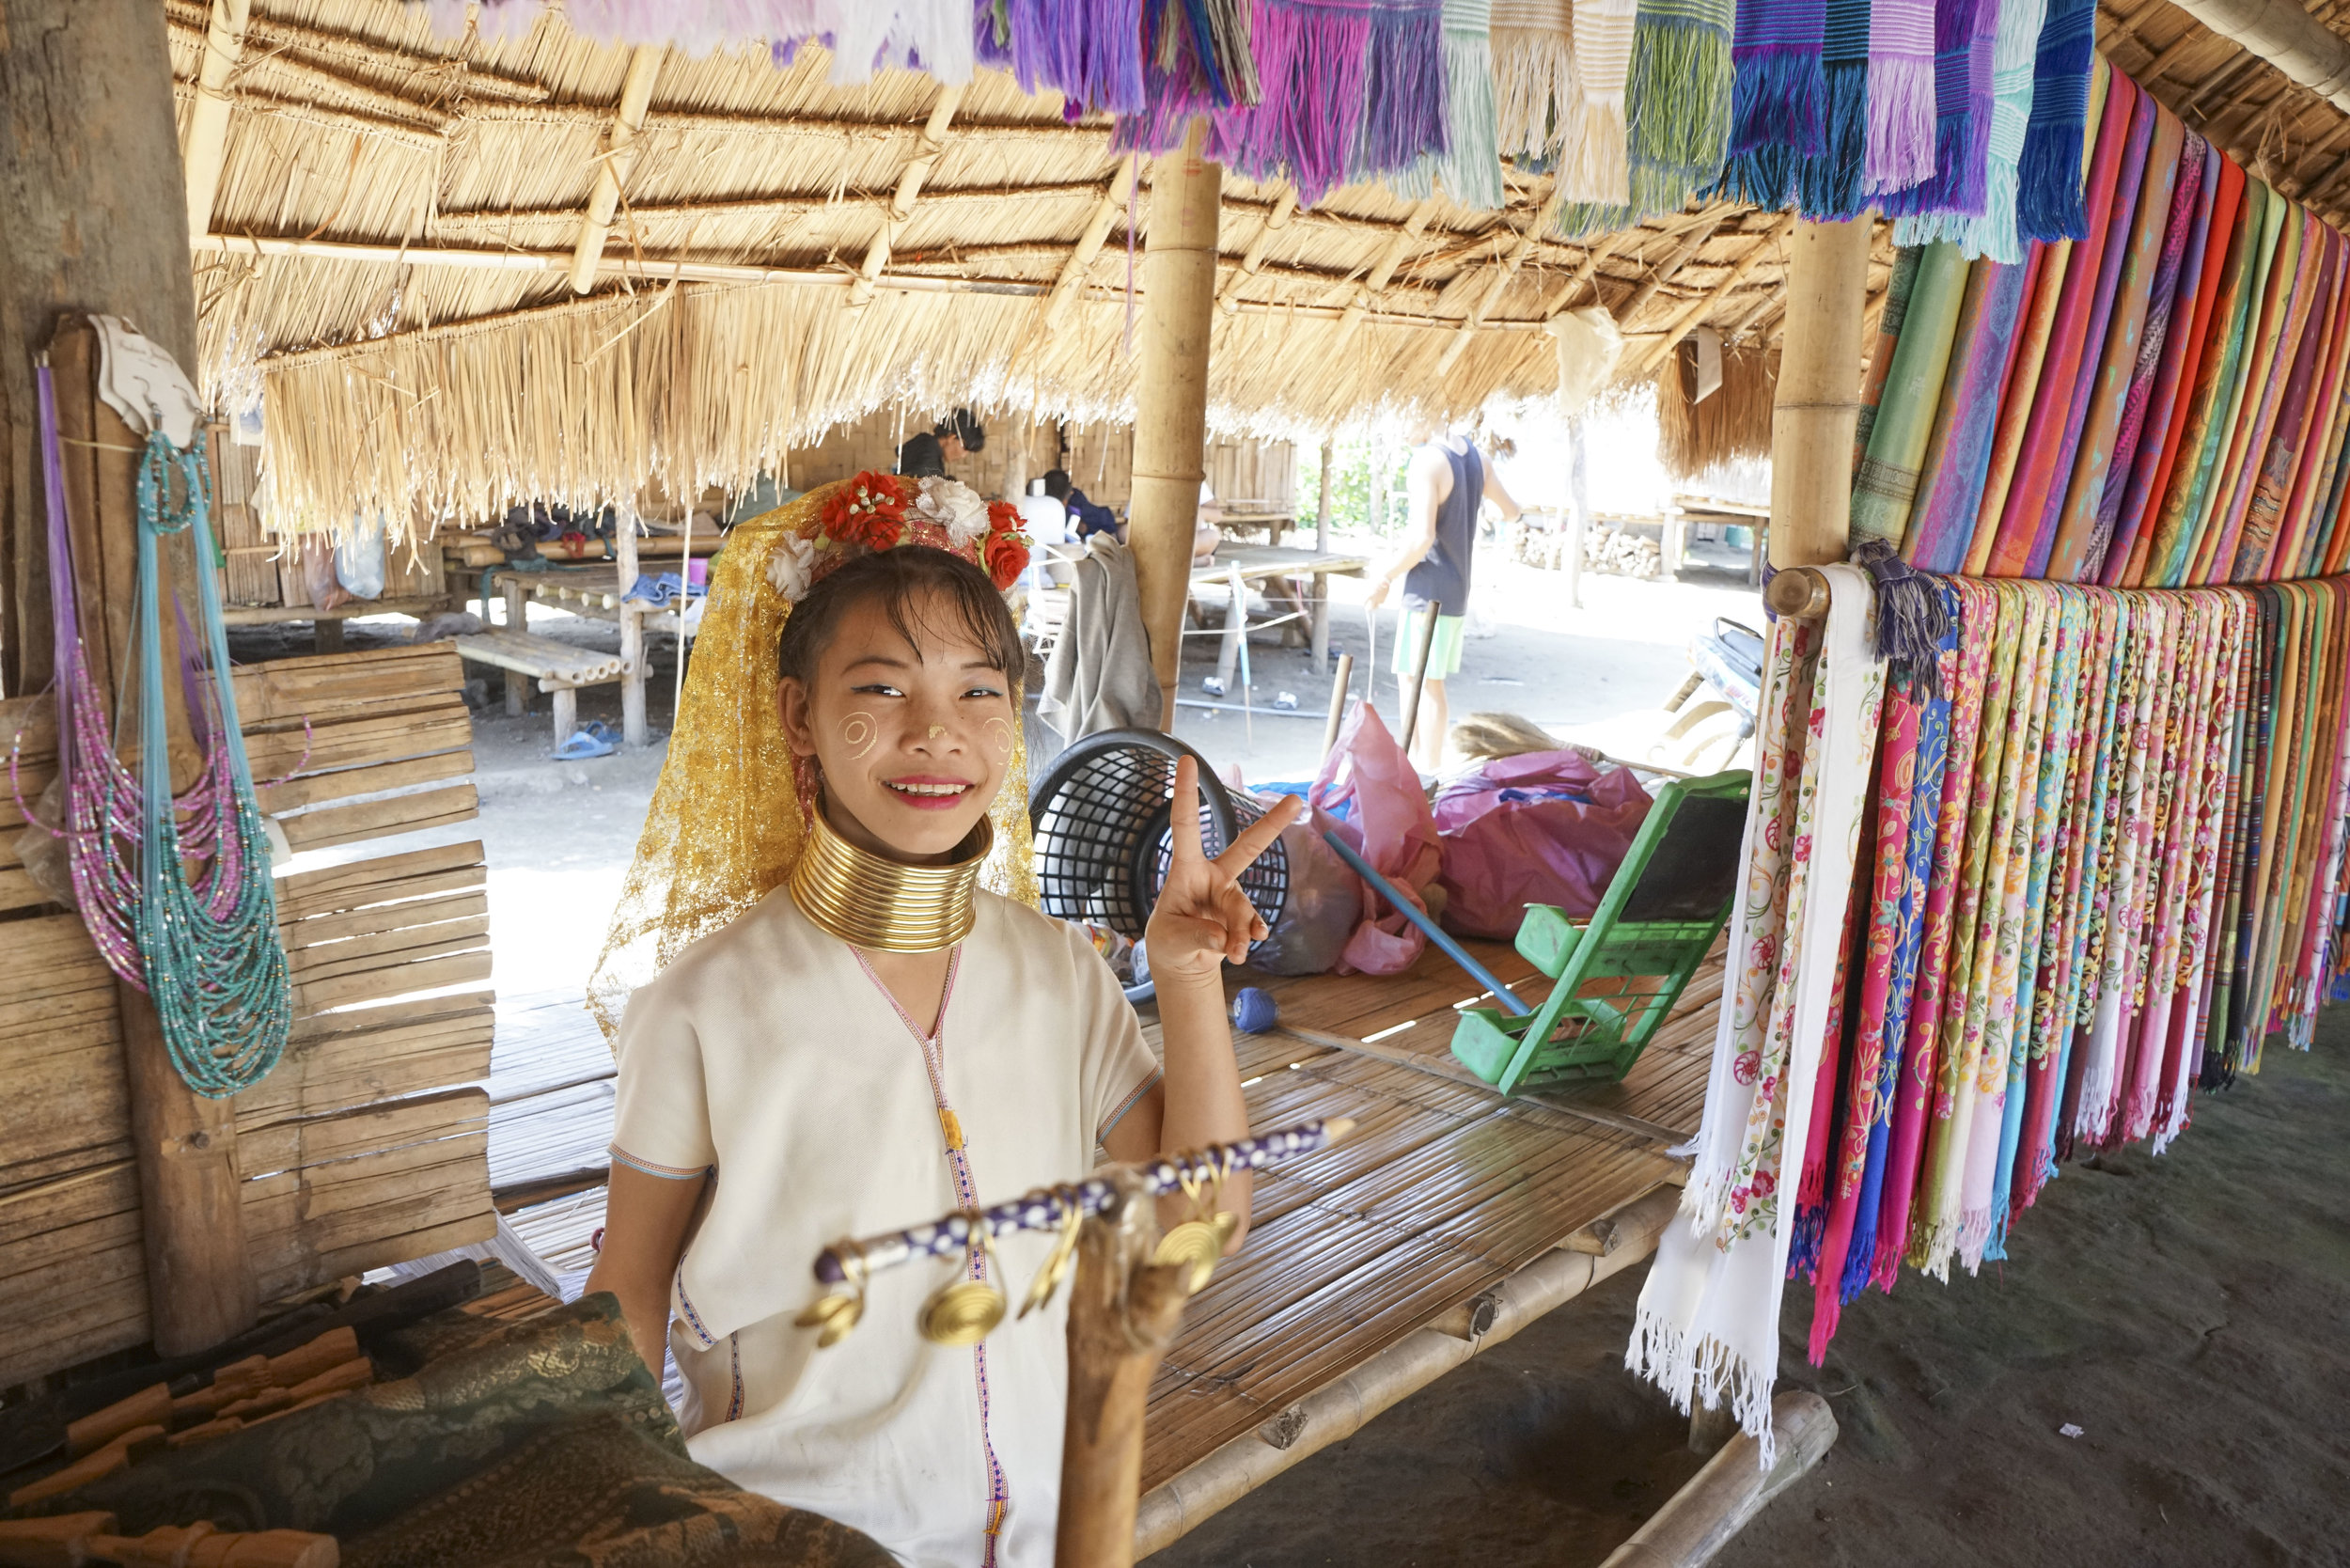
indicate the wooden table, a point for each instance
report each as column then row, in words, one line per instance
column 1257, row 563
column 1704, row 509
column 1237, row 515
column 593, row 591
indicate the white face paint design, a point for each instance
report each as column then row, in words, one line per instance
column 999, row 736
column 858, row 731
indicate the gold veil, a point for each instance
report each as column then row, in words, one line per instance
column 724, row 828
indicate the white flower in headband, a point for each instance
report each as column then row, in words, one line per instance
column 955, row 507
column 791, row 566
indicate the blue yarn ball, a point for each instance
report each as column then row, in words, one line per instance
column 1253, row 1012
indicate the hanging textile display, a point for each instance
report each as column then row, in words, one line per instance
column 1677, row 109
column 2099, row 859
column 202, row 944
column 1707, row 1327
column 1470, row 169
column 2157, row 403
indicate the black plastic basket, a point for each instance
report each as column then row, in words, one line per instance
column 1101, row 816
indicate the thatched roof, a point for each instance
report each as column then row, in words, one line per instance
column 393, row 234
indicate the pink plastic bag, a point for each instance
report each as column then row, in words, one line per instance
column 1511, row 839
column 1390, row 826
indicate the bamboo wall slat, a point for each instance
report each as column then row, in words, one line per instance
column 355, row 1152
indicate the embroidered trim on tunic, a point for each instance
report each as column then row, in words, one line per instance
column 966, row 1196
column 1128, row 1103
column 666, row 1172
column 692, row 1318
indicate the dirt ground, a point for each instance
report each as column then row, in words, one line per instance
column 2190, row 1314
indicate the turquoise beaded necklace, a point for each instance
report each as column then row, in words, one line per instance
column 210, row 948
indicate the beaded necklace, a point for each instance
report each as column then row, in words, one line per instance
column 204, row 945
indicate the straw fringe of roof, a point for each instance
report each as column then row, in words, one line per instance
column 675, row 390
column 1694, row 439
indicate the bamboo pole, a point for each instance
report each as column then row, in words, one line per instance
column 1321, row 505
column 1420, row 672
column 1171, row 396
column 1706, row 1515
column 1390, row 257
column 1273, row 223
column 1339, row 683
column 1685, row 321
column 1338, row 1409
column 1498, row 281
column 207, row 148
column 917, row 169
column 2283, row 33
column 633, row 729
column 1818, row 404
column 1115, row 196
column 620, row 156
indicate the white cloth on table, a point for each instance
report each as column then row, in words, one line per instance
column 1099, row 676
column 768, row 1052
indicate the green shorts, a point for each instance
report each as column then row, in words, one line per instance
column 1444, row 654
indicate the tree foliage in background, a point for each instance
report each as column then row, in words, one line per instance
column 1359, row 466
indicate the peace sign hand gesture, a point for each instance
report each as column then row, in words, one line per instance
column 1202, row 917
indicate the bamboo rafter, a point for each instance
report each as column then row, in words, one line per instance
column 917, row 169
column 617, row 159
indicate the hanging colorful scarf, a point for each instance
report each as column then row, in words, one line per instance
column 1595, row 164
column 2157, row 349
column 1536, row 88
column 2276, row 337
column 1313, row 71
column 2265, row 504
column 2133, row 256
column 2295, row 555
column 1958, row 454
column 2026, row 525
column 1707, row 1327
column 1891, row 320
column 1779, row 91
column 1918, row 1113
column 1471, row 166
column 2215, row 383
column 1937, row 207
column 2048, row 175
column 2042, row 294
column 1677, row 107
column 2209, row 254
column 1887, row 482
column 1902, row 108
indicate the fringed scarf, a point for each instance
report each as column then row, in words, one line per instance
column 1903, row 111
column 1596, row 162
column 1403, row 119
column 1707, row 1327
column 1677, row 104
column 1824, row 182
column 2048, row 173
column 1963, row 35
column 1536, row 88
column 1471, row 166
column 1777, row 99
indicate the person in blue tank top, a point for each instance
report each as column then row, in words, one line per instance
column 1448, row 480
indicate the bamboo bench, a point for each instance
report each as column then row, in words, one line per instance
column 560, row 668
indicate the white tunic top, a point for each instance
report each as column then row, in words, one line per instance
column 770, row 1052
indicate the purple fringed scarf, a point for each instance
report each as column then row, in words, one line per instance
column 1903, row 39
column 1404, row 90
column 1779, row 90
column 2049, row 200
column 1087, row 51
column 1962, row 34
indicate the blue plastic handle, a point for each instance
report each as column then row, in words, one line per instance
column 1435, row 932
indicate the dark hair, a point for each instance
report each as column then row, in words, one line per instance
column 965, row 427
column 1056, row 483
column 898, row 578
column 922, row 458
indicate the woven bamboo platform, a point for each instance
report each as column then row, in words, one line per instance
column 1443, row 1191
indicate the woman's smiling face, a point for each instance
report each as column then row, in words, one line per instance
column 912, row 733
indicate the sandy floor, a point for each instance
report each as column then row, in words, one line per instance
column 2191, row 1315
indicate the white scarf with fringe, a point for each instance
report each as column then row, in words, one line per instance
column 1707, row 1328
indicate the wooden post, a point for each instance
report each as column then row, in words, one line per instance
column 1818, row 404
column 94, row 218
column 1171, row 399
column 1419, row 669
column 517, row 620
column 633, row 727
column 1321, row 505
column 1339, row 683
column 1123, row 1311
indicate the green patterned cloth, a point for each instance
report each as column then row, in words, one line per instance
column 541, row 1445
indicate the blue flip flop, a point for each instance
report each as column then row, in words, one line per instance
column 601, row 730
column 582, row 745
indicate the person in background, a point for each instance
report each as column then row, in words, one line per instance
column 1448, row 480
column 1085, row 519
column 950, row 441
column 1207, row 534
